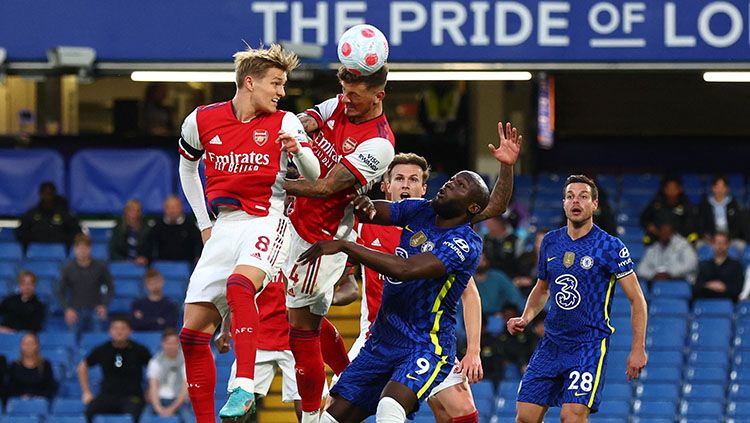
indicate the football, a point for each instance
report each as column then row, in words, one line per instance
column 363, row 49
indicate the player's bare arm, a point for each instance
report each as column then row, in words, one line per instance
column 310, row 124
column 222, row 341
column 534, row 304
column 638, row 318
column 419, row 266
column 377, row 212
column 346, row 291
column 507, row 154
column 338, row 179
column 471, row 364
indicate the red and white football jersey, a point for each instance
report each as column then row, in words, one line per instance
column 245, row 167
column 366, row 149
column 380, row 238
column 273, row 330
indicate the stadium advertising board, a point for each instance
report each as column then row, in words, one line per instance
column 418, row 30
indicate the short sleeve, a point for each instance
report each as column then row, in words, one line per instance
column 402, row 211
column 144, row 354
column 291, row 125
column 620, row 263
column 323, row 111
column 458, row 253
column 541, row 272
column 96, row 357
column 153, row 371
column 369, row 161
column 189, row 144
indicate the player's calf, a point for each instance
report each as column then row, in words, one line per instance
column 201, row 373
column 530, row 413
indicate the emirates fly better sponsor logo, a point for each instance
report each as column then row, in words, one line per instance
column 239, row 162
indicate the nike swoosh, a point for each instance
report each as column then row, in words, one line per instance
column 550, row 259
column 409, row 376
column 578, row 394
column 407, row 228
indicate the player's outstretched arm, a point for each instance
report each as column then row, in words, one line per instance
column 419, row 266
column 638, row 317
column 534, row 304
column 377, row 212
column 471, row 364
column 338, row 179
column 507, row 154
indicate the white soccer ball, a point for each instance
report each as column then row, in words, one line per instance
column 363, row 49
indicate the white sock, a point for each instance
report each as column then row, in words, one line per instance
column 310, row 417
column 390, row 411
column 327, row 418
column 242, row 382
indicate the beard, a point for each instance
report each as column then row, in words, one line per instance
column 447, row 209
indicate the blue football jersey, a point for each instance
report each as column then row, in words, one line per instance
column 581, row 275
column 423, row 312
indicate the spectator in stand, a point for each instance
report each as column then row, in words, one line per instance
column 671, row 257
column 175, row 236
column 122, row 362
column 130, row 237
column 670, row 203
column 23, row 311
column 604, row 216
column 528, row 262
column 501, row 350
column 31, row 375
column 720, row 212
column 500, row 245
column 167, row 386
column 720, row 276
column 50, row 221
column 153, row 312
column 85, row 289
column 495, row 288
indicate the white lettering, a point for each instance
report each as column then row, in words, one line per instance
column 547, row 23
column 502, row 10
column 452, row 25
column 399, row 24
column 319, row 22
column 343, row 20
column 632, row 13
column 239, row 162
column 612, row 15
column 479, row 37
column 269, row 9
column 704, row 24
column 455, row 250
column 671, row 39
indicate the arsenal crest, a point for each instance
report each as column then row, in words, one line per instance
column 349, row 145
column 260, row 136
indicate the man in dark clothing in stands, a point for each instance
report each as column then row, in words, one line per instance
column 23, row 311
column 122, row 362
column 671, row 204
column 500, row 245
column 49, row 221
column 720, row 211
column 720, row 276
column 175, row 236
column 153, row 312
column 85, row 288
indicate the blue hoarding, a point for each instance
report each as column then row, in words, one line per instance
column 419, row 30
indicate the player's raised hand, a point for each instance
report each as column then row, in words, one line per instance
column 363, row 207
column 516, row 325
column 288, row 142
column 320, row 248
column 222, row 342
column 471, row 367
column 637, row 360
column 510, row 144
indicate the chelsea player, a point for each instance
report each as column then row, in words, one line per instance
column 411, row 347
column 578, row 267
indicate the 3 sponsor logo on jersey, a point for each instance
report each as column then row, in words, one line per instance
column 239, row 162
column 455, row 249
column 568, row 297
column 369, row 160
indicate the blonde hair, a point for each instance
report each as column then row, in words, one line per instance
column 256, row 61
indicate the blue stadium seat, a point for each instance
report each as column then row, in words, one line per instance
column 553, row 414
column 57, row 339
column 613, row 408
column 665, row 358
column 9, row 234
column 8, row 270
column 620, row 309
column 661, row 375
column 435, row 181
column 740, row 375
column 743, row 307
column 665, row 341
column 668, row 307
column 128, row 288
column 505, row 408
column 58, row 355
column 618, row 391
column 10, row 251
column 712, row 324
column 704, row 392
column 120, row 305
column 713, row 307
column 741, row 358
column 654, row 409
column 68, row 407
column 711, row 339
column 149, row 339
column 126, row 269
column 91, row 340
column 702, row 358
column 483, row 389
column 742, row 340
column 173, row 269
column 674, row 289
column 113, row 418
column 100, row 235
column 550, row 183
column 66, row 419
column 21, row 419
column 70, row 389
column 611, row 183
column 739, row 391
column 621, row 340
column 715, row 375
column 702, row 410
column 100, row 251
column 46, row 252
column 160, row 419
column 42, row 268
column 27, row 407
column 224, row 360
column 658, row 392
column 738, row 409
column 640, row 182
column 174, row 290
column 485, row 407
column 596, row 419
column 508, row 390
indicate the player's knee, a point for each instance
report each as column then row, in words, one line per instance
column 574, row 415
column 390, row 411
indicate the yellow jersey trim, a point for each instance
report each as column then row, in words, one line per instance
column 606, row 302
column 443, row 360
column 598, row 372
column 438, row 313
